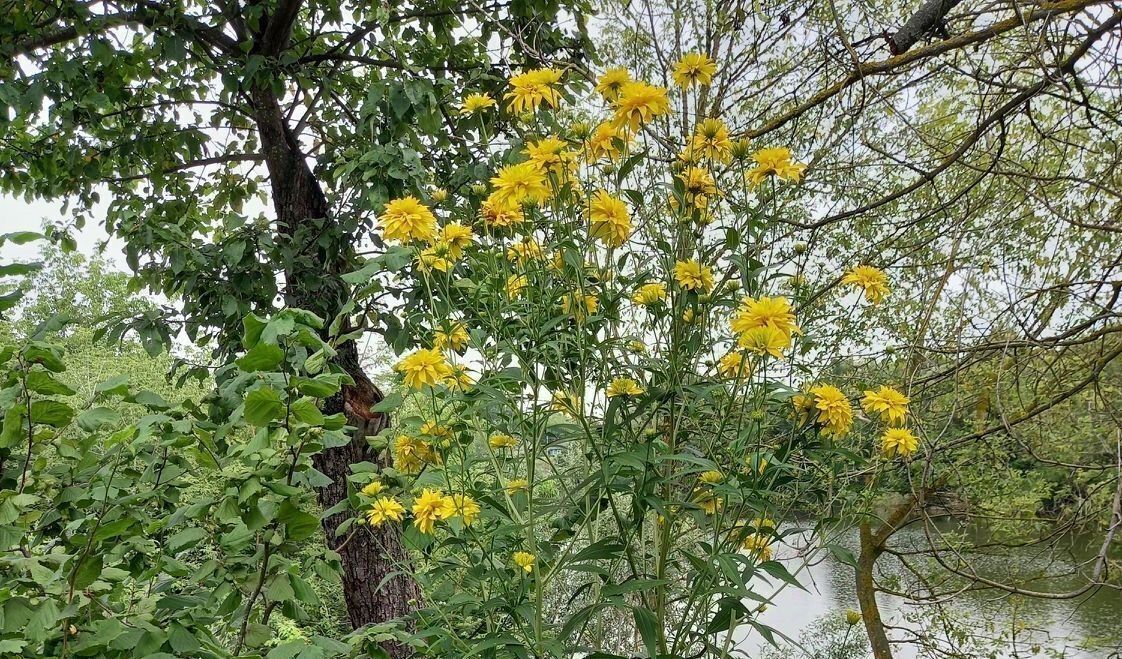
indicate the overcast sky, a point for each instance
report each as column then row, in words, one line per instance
column 19, row 215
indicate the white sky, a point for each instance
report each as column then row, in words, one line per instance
column 19, row 215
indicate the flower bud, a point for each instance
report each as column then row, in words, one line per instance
column 479, row 189
column 800, row 248
column 852, row 617
column 438, row 195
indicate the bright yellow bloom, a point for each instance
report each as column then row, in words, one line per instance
column 501, row 212
column 734, row 365
column 437, row 431
column 871, row 280
column 431, row 507
column 455, row 338
column 476, row 102
column 437, row 256
column 609, row 218
column 891, row 405
column 711, row 477
column 898, row 442
column 775, row 161
column 466, row 508
column 638, row 103
column 699, row 186
column 423, row 368
column 459, row 380
column 694, row 68
column 501, row 440
column 385, row 509
column 834, row 411
column 764, row 525
column 578, row 305
column 457, row 237
column 758, row 546
column 524, row 560
column 532, row 88
column 551, row 154
column 373, row 488
column 649, row 293
column 709, row 503
column 774, row 312
column 693, row 276
column 565, row 401
column 611, row 82
column 804, row 407
column 515, row 284
column 526, row 250
column 624, row 387
column 709, row 142
column 515, row 184
column 517, row 485
column 606, row 141
column 765, row 340
column 407, row 219
column 411, row 454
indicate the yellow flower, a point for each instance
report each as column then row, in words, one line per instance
column 526, row 250
column 499, row 211
column 455, row 338
column 709, row 503
column 834, row 411
column 759, row 546
column 649, row 293
column 438, row 195
column 515, row 284
column 551, row 154
column 693, row 276
column 765, row 340
column 524, row 560
column 872, row 280
column 611, row 82
column 637, row 346
column 565, row 401
column 385, row 509
column 710, row 141
column 407, row 219
column 803, row 405
column 606, row 141
column 466, row 508
column 411, row 454
column 436, row 257
column 694, row 68
column 501, row 440
column 774, row 312
column 764, row 525
column 517, row 485
column 373, row 488
column 476, row 102
column 898, row 442
column 624, row 387
column 699, row 186
column 734, row 365
column 423, row 368
column 457, row 237
column 610, row 219
column 437, row 431
column 530, row 89
column 711, row 477
column 431, row 507
column 638, row 103
column 459, row 380
column 515, row 184
column 775, row 161
column 579, row 306
column 891, row 405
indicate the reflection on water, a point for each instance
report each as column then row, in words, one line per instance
column 1086, row 627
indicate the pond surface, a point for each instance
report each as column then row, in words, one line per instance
column 1085, row 627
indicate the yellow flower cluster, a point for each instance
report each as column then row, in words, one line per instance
column 765, row 325
column 775, row 161
column 693, row 276
column 529, row 90
column 624, row 387
column 424, row 368
column 872, row 281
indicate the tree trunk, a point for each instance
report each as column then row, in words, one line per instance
column 375, row 586
column 867, row 594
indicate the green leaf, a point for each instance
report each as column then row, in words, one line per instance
column 43, row 382
column 389, row 403
column 94, row 418
column 88, row 571
column 305, row 411
column 298, row 524
column 19, row 237
column 151, row 400
column 187, row 538
column 51, row 413
column 647, row 625
column 117, row 385
column 261, row 357
column 263, row 405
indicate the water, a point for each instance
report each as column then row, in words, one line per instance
column 1086, row 627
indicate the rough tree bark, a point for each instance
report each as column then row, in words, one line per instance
column 872, row 546
column 927, row 18
column 373, row 587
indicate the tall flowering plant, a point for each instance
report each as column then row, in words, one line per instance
column 609, row 422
